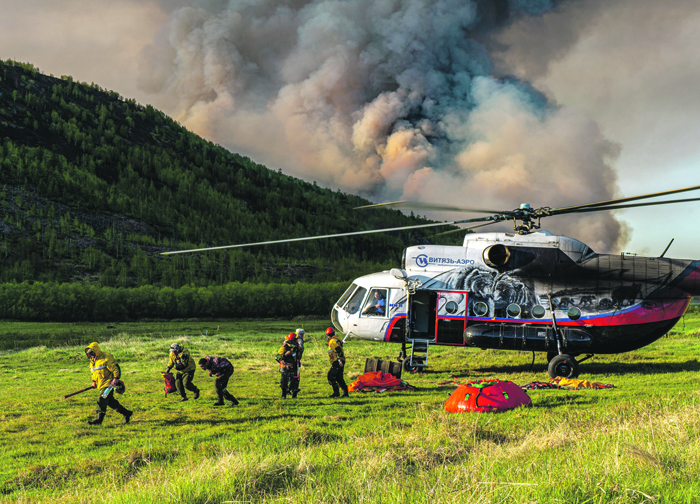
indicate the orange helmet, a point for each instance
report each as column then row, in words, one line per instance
column 330, row 332
column 291, row 336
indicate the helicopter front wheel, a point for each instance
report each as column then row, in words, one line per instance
column 407, row 367
column 563, row 365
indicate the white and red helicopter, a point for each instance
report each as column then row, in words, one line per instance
column 527, row 290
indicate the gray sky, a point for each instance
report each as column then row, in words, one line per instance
column 305, row 90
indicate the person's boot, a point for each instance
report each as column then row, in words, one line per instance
column 234, row 401
column 183, row 398
column 196, row 394
column 345, row 392
column 127, row 417
column 336, row 391
column 220, row 402
column 294, row 394
column 284, row 394
column 98, row 419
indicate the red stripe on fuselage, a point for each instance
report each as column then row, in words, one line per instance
column 387, row 334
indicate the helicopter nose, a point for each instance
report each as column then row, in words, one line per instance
column 338, row 315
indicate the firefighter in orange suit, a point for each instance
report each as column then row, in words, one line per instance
column 337, row 358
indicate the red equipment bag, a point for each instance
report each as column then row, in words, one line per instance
column 169, row 383
column 487, row 396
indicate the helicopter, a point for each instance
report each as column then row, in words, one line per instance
column 528, row 290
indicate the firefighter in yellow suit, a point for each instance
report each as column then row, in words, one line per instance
column 105, row 377
column 337, row 358
column 184, row 366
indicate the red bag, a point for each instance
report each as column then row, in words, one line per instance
column 487, row 396
column 169, row 383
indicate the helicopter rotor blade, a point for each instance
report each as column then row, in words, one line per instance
column 571, row 209
column 467, row 229
column 432, row 206
column 633, row 205
column 337, row 235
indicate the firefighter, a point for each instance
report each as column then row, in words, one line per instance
column 184, row 366
column 337, row 358
column 287, row 357
column 105, row 378
column 222, row 369
column 301, row 334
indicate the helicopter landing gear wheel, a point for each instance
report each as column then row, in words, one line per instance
column 406, row 365
column 563, row 365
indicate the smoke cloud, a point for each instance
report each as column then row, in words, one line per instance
column 390, row 99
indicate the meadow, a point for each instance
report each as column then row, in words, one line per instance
column 636, row 443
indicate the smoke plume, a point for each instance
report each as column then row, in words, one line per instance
column 390, row 99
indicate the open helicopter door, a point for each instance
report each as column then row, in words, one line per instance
column 438, row 316
column 435, row 317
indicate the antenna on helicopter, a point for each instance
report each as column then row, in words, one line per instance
column 667, row 247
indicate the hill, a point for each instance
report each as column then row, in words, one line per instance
column 95, row 186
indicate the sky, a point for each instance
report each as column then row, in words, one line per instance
column 548, row 102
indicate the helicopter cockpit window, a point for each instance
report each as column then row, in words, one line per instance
column 346, row 295
column 353, row 305
column 376, row 303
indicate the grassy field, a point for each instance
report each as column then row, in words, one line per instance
column 638, row 442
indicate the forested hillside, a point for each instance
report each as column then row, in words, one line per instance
column 95, row 186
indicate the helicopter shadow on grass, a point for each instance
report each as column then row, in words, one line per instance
column 601, row 368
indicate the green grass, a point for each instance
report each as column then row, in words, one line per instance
column 636, row 443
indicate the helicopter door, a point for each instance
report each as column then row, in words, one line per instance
column 422, row 304
column 451, row 317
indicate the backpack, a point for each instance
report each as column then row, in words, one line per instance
column 169, row 383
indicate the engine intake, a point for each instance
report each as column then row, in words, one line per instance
column 496, row 256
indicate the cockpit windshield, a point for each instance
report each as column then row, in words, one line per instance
column 346, row 295
column 353, row 305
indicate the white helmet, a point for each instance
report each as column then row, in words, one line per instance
column 301, row 333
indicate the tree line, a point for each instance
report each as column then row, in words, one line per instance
column 77, row 302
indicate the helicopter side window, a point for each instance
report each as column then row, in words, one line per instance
column 353, row 306
column 574, row 313
column 513, row 310
column 480, row 309
column 376, row 303
column 538, row 311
